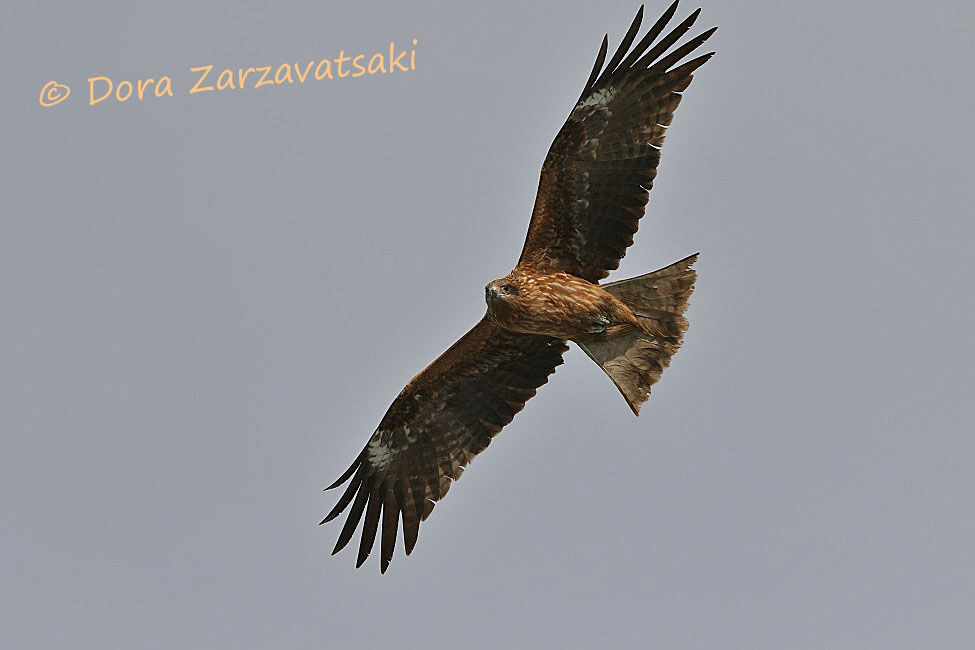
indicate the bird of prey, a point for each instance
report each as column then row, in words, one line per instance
column 593, row 190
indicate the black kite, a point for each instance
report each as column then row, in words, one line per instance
column 593, row 190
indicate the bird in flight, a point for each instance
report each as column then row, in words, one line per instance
column 593, row 190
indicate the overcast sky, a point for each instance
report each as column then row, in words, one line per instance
column 208, row 300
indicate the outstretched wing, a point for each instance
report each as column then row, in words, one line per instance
column 444, row 417
column 599, row 170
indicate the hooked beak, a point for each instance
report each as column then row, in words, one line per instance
column 490, row 293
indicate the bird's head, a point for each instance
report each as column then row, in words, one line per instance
column 500, row 290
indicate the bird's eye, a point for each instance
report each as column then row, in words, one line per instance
column 506, row 288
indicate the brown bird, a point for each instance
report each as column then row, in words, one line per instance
column 593, row 190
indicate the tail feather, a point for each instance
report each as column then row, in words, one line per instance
column 665, row 289
column 636, row 358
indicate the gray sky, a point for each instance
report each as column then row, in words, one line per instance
column 209, row 300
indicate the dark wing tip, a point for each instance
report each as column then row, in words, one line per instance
column 667, row 41
column 361, row 488
column 390, row 522
column 677, row 55
column 648, row 50
column 597, row 66
column 349, row 472
column 346, row 497
column 688, row 68
column 369, row 526
column 376, row 501
column 621, row 50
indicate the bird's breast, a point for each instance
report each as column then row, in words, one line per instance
column 556, row 304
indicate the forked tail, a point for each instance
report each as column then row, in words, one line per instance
column 635, row 359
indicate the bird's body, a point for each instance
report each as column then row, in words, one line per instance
column 592, row 192
column 555, row 304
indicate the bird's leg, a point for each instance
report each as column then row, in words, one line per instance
column 599, row 324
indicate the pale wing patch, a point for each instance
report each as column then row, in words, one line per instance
column 380, row 455
column 600, row 98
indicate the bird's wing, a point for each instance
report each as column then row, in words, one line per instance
column 444, row 417
column 599, row 170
